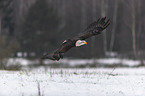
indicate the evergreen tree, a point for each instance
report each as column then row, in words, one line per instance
column 6, row 17
column 39, row 29
column 8, row 45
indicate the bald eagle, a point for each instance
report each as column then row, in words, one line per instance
column 93, row 29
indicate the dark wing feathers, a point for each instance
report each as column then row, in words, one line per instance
column 60, row 51
column 93, row 29
column 92, row 25
column 83, row 36
column 65, row 47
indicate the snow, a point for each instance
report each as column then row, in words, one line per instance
column 119, row 61
column 74, row 82
column 21, row 61
column 75, row 62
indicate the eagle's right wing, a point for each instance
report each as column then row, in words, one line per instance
column 93, row 29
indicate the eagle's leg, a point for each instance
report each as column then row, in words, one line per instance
column 56, row 56
column 61, row 55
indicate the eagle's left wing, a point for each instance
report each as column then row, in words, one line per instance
column 93, row 29
column 56, row 55
column 66, row 45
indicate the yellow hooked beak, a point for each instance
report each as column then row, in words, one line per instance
column 85, row 42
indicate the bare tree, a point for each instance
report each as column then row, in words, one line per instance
column 83, row 13
column 133, row 25
column 0, row 21
column 94, row 10
column 21, row 8
column 1, row 14
column 114, row 25
column 104, row 5
column 139, row 23
column 63, row 14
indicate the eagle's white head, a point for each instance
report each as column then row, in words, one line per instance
column 80, row 43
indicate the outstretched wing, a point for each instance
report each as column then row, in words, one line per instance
column 94, row 28
column 67, row 44
column 56, row 55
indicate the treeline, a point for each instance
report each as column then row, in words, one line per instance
column 40, row 26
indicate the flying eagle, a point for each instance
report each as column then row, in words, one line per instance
column 93, row 29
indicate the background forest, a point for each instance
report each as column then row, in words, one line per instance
column 35, row 27
column 111, row 64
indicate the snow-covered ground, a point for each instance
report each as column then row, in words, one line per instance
column 74, row 82
column 78, row 62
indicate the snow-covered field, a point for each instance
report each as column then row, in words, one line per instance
column 74, row 82
column 101, row 62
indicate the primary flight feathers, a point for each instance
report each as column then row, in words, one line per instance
column 93, row 29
